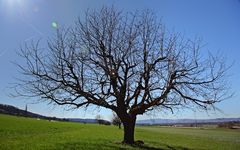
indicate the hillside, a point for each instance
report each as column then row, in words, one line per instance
column 11, row 110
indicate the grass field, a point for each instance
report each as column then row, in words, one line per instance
column 18, row 133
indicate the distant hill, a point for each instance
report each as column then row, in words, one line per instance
column 101, row 121
column 82, row 120
column 11, row 110
column 186, row 121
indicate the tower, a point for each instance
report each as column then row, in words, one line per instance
column 26, row 108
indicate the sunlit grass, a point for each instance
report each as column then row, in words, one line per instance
column 25, row 133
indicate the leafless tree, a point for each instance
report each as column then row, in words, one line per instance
column 126, row 62
column 116, row 120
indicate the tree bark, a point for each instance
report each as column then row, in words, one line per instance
column 129, row 126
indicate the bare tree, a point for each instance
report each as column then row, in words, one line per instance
column 126, row 62
column 116, row 120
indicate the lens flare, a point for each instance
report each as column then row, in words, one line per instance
column 54, row 25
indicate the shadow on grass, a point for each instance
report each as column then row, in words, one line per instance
column 93, row 145
column 90, row 145
column 177, row 148
column 146, row 147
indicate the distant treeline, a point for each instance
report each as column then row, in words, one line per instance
column 11, row 110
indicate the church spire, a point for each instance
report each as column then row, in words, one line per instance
column 26, row 108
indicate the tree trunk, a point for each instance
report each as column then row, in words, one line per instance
column 129, row 126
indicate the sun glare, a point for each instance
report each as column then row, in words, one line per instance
column 13, row 7
column 13, row 3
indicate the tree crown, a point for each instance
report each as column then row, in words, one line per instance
column 128, row 63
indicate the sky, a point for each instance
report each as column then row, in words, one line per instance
column 217, row 22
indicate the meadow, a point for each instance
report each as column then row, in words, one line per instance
column 19, row 133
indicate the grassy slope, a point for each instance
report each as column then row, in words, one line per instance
column 25, row 133
column 192, row 138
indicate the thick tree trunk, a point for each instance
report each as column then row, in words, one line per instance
column 129, row 126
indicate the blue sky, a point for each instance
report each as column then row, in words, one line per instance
column 217, row 22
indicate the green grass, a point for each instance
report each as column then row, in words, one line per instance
column 24, row 134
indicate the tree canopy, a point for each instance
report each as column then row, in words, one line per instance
column 127, row 62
